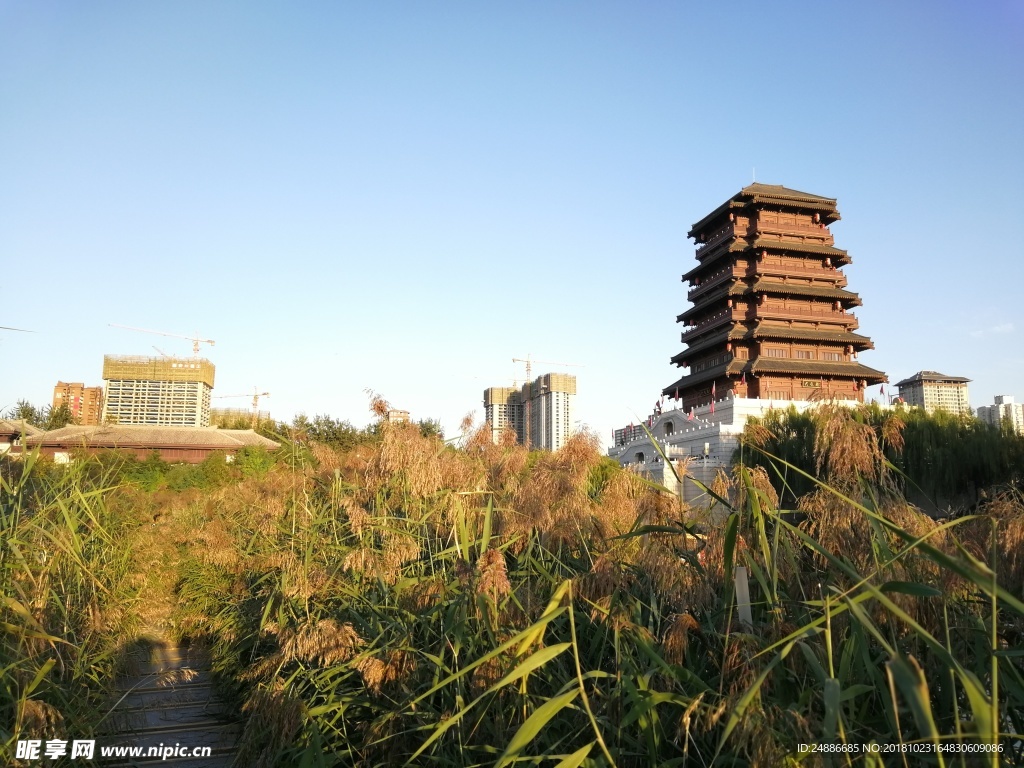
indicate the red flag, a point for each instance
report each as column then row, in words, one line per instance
column 677, row 394
column 743, row 379
column 712, row 406
column 713, row 385
column 690, row 417
column 883, row 390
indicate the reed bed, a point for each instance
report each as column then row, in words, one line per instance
column 69, row 593
column 412, row 602
column 422, row 604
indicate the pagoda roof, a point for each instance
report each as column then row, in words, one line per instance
column 809, row 334
column 710, row 374
column 778, row 194
column 817, row 368
column 710, row 342
column 727, row 288
column 739, row 245
column 732, row 246
column 773, row 194
column 773, row 286
column 741, row 333
column 802, row 247
column 767, row 286
column 761, row 366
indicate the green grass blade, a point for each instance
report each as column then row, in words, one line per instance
column 533, row 725
column 576, row 758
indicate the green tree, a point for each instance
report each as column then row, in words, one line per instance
column 338, row 433
column 215, row 471
column 254, row 461
column 431, row 428
column 23, row 410
column 149, row 474
column 58, row 417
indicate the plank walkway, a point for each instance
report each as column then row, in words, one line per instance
column 168, row 700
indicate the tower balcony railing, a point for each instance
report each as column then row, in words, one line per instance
column 724, row 316
column 716, row 278
column 796, row 229
column 822, row 273
column 718, row 236
column 786, row 313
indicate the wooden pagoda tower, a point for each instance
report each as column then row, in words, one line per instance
column 771, row 314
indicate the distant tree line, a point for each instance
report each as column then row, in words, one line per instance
column 46, row 417
column 337, row 433
column 341, row 435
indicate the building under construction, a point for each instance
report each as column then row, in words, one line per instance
column 158, row 391
column 503, row 409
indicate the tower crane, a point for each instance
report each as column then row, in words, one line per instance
column 529, row 362
column 195, row 339
column 256, row 395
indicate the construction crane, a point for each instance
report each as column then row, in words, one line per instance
column 255, row 395
column 529, row 379
column 196, row 341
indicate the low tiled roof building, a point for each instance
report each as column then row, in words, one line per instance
column 189, row 445
column 13, row 432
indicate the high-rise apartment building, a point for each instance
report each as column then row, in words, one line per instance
column 84, row 403
column 503, row 408
column 1005, row 411
column 159, row 391
column 548, row 407
column 932, row 390
column 540, row 413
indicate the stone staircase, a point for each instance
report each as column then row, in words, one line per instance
column 166, row 702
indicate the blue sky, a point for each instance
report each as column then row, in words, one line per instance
column 405, row 196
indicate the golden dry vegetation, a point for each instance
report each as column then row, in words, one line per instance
column 408, row 601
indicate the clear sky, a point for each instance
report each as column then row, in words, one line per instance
column 405, row 196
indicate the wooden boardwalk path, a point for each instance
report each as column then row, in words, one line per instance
column 167, row 701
